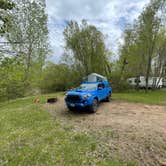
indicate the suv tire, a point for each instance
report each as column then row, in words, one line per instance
column 94, row 106
column 108, row 98
column 71, row 109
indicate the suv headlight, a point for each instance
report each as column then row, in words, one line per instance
column 65, row 95
column 87, row 95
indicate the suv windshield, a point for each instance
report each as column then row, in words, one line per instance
column 87, row 87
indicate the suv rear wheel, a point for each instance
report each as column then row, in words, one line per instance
column 108, row 98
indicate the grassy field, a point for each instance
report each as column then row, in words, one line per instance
column 152, row 97
column 29, row 135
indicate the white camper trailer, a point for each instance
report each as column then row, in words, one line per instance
column 141, row 82
column 132, row 81
column 94, row 77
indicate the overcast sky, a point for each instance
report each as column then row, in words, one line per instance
column 109, row 16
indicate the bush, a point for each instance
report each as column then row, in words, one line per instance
column 117, row 83
column 59, row 77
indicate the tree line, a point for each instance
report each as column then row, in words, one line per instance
column 145, row 41
column 142, row 54
column 24, row 50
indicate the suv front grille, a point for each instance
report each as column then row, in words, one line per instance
column 73, row 98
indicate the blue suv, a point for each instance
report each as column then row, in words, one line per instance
column 88, row 95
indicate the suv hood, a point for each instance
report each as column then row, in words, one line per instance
column 80, row 92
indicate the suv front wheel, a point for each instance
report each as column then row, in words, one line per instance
column 94, row 106
column 71, row 109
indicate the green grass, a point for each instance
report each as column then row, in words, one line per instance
column 152, row 97
column 28, row 100
column 31, row 136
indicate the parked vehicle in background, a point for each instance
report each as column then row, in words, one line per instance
column 93, row 90
column 140, row 82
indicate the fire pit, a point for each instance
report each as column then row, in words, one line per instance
column 52, row 100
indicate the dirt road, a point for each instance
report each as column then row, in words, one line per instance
column 133, row 131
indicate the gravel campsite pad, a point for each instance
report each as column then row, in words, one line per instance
column 132, row 130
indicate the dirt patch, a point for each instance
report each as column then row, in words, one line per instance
column 133, row 131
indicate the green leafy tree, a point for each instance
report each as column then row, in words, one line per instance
column 149, row 24
column 21, row 65
column 85, row 44
column 29, row 38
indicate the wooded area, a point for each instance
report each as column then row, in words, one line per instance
column 24, row 50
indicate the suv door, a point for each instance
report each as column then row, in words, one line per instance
column 101, row 91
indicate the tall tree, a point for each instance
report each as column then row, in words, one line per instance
column 86, row 44
column 29, row 37
column 149, row 24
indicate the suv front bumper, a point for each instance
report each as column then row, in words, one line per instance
column 83, row 104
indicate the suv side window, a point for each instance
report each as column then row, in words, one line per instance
column 101, row 86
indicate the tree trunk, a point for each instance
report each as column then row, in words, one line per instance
column 148, row 72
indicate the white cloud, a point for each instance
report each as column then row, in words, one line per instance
column 110, row 17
